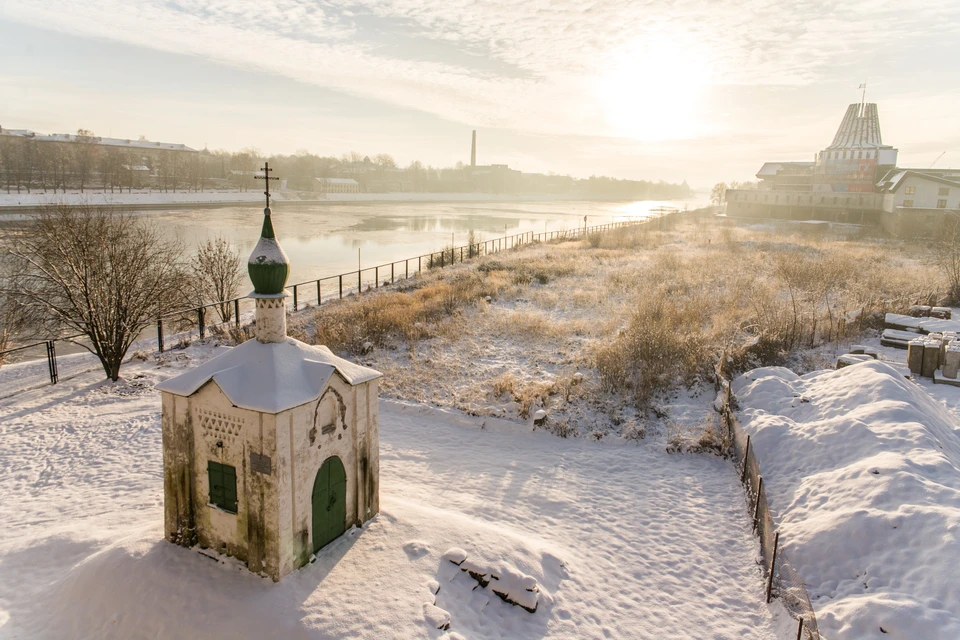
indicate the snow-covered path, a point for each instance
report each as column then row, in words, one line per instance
column 625, row 541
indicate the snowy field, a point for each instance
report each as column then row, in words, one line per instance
column 624, row 540
column 862, row 469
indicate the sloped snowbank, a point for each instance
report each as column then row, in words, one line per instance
column 863, row 472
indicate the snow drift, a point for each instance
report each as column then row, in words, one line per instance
column 862, row 467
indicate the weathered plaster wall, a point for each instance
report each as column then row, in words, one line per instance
column 335, row 425
column 179, row 494
column 250, row 534
column 271, row 320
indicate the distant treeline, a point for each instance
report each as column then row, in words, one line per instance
column 84, row 161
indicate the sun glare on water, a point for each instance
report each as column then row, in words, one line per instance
column 653, row 89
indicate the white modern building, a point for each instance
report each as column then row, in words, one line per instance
column 915, row 202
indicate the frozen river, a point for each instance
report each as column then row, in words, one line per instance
column 323, row 240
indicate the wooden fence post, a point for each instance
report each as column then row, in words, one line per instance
column 294, row 297
column 756, row 507
column 236, row 312
column 341, row 286
column 200, row 323
column 773, row 565
column 160, row 335
column 746, row 455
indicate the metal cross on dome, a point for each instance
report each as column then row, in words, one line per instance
column 266, row 177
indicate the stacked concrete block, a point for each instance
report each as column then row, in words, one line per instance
column 919, row 311
column 944, row 313
column 951, row 363
column 931, row 356
column 851, row 359
column 915, row 355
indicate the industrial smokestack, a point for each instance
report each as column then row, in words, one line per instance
column 473, row 150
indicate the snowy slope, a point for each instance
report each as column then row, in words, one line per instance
column 624, row 541
column 863, row 472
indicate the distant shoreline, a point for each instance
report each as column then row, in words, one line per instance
column 29, row 203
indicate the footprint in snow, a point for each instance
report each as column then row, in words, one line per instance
column 416, row 549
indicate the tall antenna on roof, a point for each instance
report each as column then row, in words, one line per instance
column 863, row 96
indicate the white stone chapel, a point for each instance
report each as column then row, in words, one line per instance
column 271, row 449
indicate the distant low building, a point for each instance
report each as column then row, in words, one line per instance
column 121, row 143
column 337, row 185
column 495, row 178
column 82, row 158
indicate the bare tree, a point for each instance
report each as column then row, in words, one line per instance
column 11, row 323
column 946, row 254
column 384, row 161
column 719, row 193
column 88, row 270
column 218, row 271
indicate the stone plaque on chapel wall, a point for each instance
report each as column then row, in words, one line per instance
column 260, row 463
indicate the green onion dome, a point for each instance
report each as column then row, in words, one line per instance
column 268, row 265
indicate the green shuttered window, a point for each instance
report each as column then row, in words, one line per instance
column 223, row 486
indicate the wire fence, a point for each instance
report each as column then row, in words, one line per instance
column 40, row 362
column 783, row 580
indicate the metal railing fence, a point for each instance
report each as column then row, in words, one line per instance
column 176, row 328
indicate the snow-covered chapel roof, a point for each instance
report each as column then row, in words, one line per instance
column 270, row 377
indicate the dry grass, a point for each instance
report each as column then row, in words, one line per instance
column 391, row 316
column 756, row 295
column 642, row 312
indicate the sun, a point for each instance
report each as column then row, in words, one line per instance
column 653, row 90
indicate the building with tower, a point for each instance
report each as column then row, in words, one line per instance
column 839, row 185
column 854, row 179
column 271, row 449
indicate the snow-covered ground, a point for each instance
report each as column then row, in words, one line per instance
column 862, row 469
column 625, row 540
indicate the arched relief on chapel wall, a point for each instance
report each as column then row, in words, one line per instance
column 330, row 415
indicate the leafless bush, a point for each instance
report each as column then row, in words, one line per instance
column 504, row 385
column 89, row 270
column 218, row 272
column 232, row 333
column 708, row 437
column 660, row 348
column 946, row 256
column 474, row 243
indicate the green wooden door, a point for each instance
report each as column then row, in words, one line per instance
column 329, row 503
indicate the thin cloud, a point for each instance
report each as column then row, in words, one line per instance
column 554, row 54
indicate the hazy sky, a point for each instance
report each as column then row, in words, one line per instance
column 681, row 89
